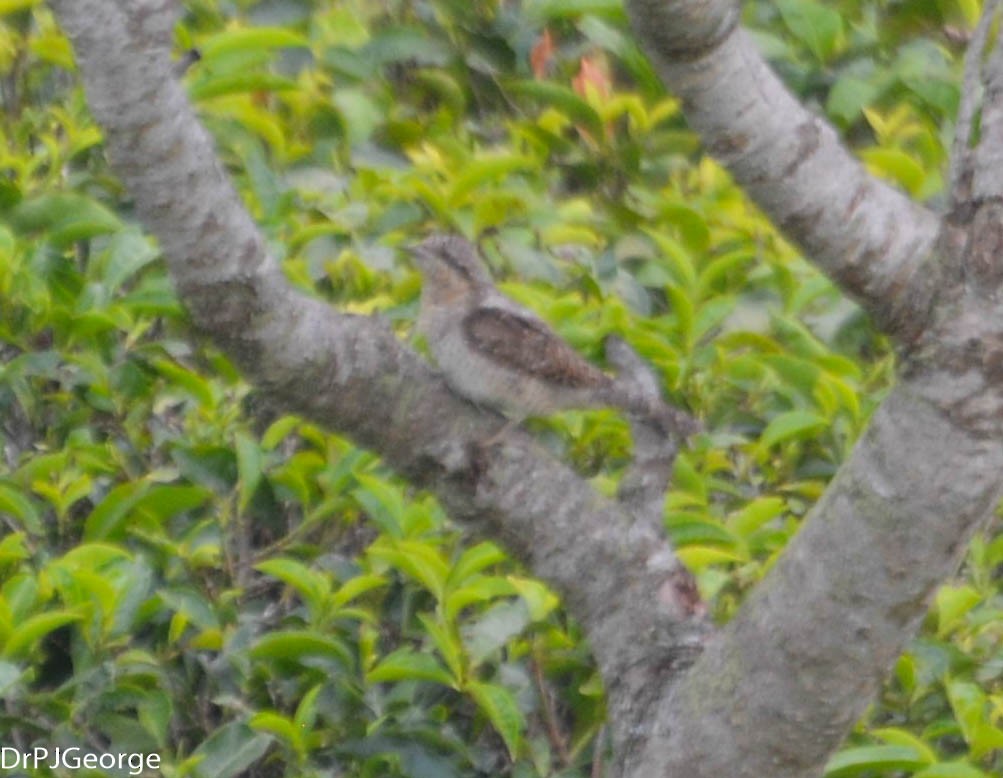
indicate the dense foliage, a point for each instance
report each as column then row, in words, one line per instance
column 187, row 571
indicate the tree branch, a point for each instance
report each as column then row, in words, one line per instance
column 351, row 373
column 971, row 97
column 976, row 219
column 776, row 690
column 864, row 234
column 778, row 687
column 988, row 154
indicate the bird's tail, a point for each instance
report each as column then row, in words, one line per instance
column 653, row 410
column 636, row 391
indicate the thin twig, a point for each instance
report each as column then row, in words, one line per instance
column 597, row 760
column 557, row 739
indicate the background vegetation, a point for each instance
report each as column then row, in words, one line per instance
column 186, row 571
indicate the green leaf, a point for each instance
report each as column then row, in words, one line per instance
column 498, row 704
column 849, row 96
column 312, row 585
column 686, row 528
column 355, row 587
column 475, row 591
column 791, row 425
column 971, row 10
column 15, row 503
column 360, row 114
column 164, row 501
column 678, row 259
column 108, row 518
column 207, row 87
column 382, row 503
column 55, row 49
column 128, row 252
column 249, row 39
column 412, row 45
column 799, row 373
column 562, row 99
column 691, row 224
column 306, row 711
column 986, row 739
column 65, row 216
column 439, row 83
column 278, row 431
column 612, row 37
column 10, row 674
column 192, row 383
column 191, row 605
column 154, row 710
column 906, row 672
column 474, row 560
column 968, row 702
column 341, row 27
column 717, row 271
column 952, row 603
column 562, row 9
column 301, row 646
column 20, row 592
column 685, row 477
column 421, row 561
column 755, row 514
column 538, row 598
column 10, row 6
column 682, row 309
column 818, row 27
column 407, row 665
column 900, row 737
column 249, row 468
column 25, row 635
column 279, row 725
column 446, row 643
column 230, row 751
column 12, row 548
column 897, row 166
column 92, row 557
column 951, row 770
column 883, row 759
column 493, row 629
column 486, row 171
column 696, row 558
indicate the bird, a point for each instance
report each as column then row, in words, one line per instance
column 496, row 353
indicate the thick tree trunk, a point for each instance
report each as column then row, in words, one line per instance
column 775, row 690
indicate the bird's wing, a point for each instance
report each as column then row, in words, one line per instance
column 523, row 343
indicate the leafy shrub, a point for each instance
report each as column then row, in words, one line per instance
column 189, row 572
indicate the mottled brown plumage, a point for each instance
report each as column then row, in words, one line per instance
column 530, row 347
column 497, row 353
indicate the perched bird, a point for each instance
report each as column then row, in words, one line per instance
column 498, row 354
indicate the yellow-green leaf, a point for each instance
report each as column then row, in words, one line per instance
column 500, row 706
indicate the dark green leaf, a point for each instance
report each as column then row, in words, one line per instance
column 230, row 751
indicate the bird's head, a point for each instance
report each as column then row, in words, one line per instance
column 451, row 268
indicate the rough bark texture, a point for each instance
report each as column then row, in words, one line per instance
column 775, row 690
column 351, row 373
column 869, row 237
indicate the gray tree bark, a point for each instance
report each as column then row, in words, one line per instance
column 774, row 691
